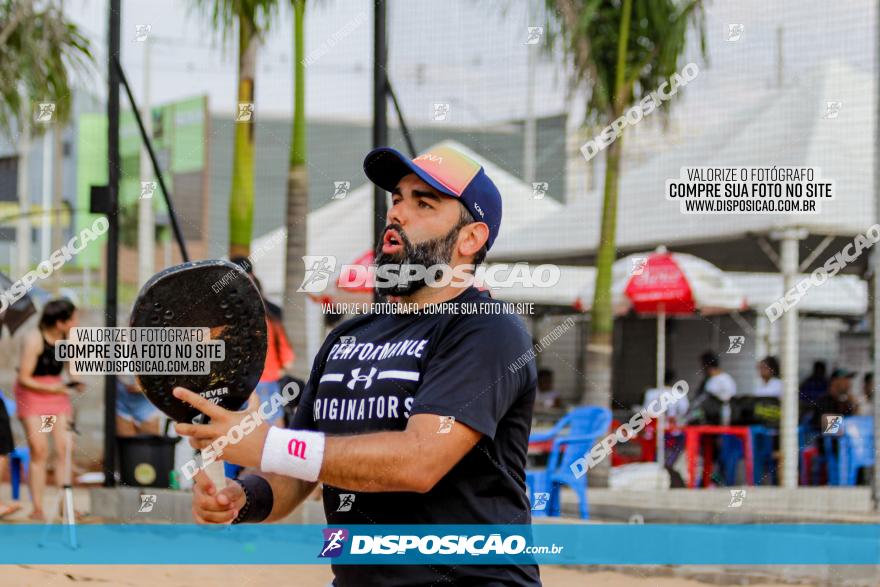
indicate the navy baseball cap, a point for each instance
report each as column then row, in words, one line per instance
column 446, row 170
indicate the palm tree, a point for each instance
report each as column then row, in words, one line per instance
column 253, row 18
column 40, row 51
column 297, row 200
column 622, row 50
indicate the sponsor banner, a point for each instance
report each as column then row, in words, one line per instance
column 582, row 544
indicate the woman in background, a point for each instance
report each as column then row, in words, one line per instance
column 7, row 445
column 770, row 384
column 41, row 392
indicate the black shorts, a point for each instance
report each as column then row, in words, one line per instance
column 7, row 444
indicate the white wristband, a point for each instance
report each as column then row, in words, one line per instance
column 293, row 453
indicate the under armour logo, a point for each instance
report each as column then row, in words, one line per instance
column 356, row 376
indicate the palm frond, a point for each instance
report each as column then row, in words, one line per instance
column 41, row 52
column 588, row 32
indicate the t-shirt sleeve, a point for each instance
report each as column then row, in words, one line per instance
column 304, row 419
column 482, row 365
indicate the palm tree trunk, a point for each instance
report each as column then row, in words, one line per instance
column 600, row 349
column 297, row 206
column 241, row 199
column 599, row 346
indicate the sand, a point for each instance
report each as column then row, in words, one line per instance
column 274, row 576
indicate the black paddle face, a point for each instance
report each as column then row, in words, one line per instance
column 211, row 294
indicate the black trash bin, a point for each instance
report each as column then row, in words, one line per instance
column 146, row 460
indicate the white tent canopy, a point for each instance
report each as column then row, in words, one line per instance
column 842, row 295
column 787, row 129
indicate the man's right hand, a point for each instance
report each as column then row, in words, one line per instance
column 213, row 507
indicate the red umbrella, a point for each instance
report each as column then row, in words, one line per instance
column 662, row 283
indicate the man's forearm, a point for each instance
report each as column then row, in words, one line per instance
column 288, row 493
column 414, row 459
column 381, row 461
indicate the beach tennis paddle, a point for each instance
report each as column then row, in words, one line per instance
column 213, row 294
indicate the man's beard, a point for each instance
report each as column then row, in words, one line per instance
column 437, row 251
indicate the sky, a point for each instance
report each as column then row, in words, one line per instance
column 471, row 55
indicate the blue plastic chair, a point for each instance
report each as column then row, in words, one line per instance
column 729, row 456
column 762, row 447
column 855, row 449
column 19, row 458
column 809, row 468
column 586, row 425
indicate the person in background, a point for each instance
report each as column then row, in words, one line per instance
column 712, row 403
column 766, row 407
column 7, row 445
column 41, row 392
column 134, row 412
column 279, row 353
column 675, row 410
column 548, row 397
column 866, row 403
column 814, row 387
column 840, row 398
column 770, row 385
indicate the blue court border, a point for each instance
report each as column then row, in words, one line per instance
column 582, row 544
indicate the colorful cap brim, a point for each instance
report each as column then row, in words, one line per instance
column 385, row 167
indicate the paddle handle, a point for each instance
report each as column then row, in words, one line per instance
column 217, row 474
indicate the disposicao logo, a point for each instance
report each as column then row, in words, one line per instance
column 333, row 542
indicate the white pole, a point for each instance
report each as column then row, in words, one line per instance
column 661, row 371
column 46, row 217
column 23, row 226
column 146, row 219
column 530, row 134
column 788, row 427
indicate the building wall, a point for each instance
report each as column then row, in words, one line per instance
column 562, row 356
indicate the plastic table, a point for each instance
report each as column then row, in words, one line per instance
column 692, row 438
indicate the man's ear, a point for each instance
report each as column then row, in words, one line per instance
column 472, row 238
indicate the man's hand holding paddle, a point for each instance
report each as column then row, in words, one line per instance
column 243, row 447
column 213, row 507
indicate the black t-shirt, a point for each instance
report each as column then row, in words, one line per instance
column 461, row 364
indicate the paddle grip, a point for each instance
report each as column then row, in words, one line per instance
column 217, row 474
